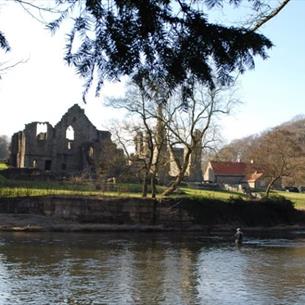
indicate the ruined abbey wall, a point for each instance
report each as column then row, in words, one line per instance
column 73, row 145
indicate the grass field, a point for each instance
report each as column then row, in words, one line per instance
column 297, row 198
column 14, row 188
column 220, row 195
column 2, row 166
column 21, row 192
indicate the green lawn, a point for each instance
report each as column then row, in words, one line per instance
column 14, row 188
column 297, row 198
column 21, row 191
column 220, row 195
column 2, row 166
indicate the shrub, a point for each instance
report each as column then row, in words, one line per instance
column 3, row 180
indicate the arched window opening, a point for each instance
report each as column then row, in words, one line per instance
column 91, row 152
column 34, row 164
column 70, row 133
column 41, row 131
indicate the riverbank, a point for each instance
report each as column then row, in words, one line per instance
column 87, row 214
column 38, row 223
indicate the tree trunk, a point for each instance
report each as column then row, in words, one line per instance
column 267, row 192
column 173, row 185
column 153, row 186
column 268, row 189
column 180, row 176
column 145, row 185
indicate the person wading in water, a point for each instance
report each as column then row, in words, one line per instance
column 238, row 237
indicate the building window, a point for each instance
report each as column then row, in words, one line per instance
column 34, row 164
column 91, row 152
column 41, row 131
column 70, row 133
column 47, row 165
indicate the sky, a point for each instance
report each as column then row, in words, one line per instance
column 44, row 87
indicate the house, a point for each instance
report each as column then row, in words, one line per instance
column 234, row 173
column 256, row 180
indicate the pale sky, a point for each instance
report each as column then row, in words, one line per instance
column 44, row 87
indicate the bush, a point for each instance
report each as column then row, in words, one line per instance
column 279, row 201
column 3, row 180
column 3, row 166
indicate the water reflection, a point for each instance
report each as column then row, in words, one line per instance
column 148, row 269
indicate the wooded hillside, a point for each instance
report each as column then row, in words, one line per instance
column 286, row 141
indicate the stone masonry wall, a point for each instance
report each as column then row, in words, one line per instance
column 103, row 211
column 182, row 213
column 38, row 147
column 73, row 146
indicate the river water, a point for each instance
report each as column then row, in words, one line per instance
column 152, row 269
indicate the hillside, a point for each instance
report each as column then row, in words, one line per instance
column 245, row 148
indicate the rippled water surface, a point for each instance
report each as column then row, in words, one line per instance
column 148, row 269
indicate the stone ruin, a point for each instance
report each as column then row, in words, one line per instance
column 73, row 146
column 167, row 168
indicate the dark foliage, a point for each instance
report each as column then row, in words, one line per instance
column 256, row 4
column 168, row 40
column 267, row 212
column 3, row 42
column 4, row 147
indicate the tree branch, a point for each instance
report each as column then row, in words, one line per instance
column 266, row 18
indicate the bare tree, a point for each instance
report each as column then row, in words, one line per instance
column 277, row 154
column 170, row 124
column 193, row 125
column 238, row 150
column 142, row 112
column 126, row 135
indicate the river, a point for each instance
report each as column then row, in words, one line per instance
column 152, row 269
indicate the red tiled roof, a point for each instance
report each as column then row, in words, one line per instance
column 228, row 168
